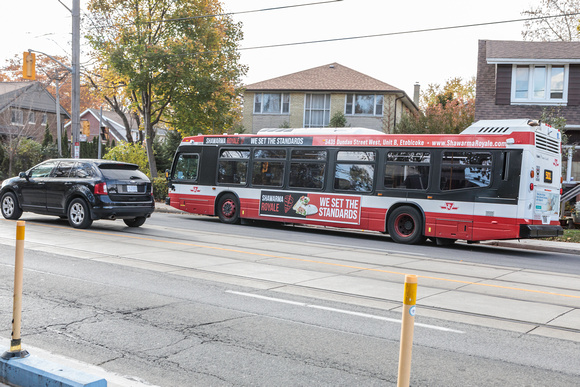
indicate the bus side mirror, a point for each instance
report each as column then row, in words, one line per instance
column 169, row 185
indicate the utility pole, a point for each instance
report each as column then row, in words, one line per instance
column 76, row 78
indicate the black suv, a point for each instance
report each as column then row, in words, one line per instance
column 80, row 190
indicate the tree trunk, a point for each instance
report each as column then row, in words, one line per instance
column 149, row 133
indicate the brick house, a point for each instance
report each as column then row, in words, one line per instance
column 311, row 97
column 521, row 79
column 27, row 109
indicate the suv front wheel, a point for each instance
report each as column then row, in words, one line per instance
column 10, row 208
column 78, row 214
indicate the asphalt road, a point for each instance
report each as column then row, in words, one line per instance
column 203, row 303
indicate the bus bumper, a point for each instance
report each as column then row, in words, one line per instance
column 540, row 231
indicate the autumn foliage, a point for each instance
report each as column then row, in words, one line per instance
column 447, row 109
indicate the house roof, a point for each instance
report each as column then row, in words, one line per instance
column 331, row 77
column 507, row 51
column 28, row 95
column 114, row 122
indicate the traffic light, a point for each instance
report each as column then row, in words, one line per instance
column 29, row 66
column 104, row 133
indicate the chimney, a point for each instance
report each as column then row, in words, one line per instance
column 416, row 93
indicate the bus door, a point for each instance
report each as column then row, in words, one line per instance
column 465, row 174
column 496, row 204
column 185, row 192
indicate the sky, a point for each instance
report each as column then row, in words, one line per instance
column 399, row 59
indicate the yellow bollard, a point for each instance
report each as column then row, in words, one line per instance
column 15, row 343
column 407, row 327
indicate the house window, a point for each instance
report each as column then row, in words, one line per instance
column 539, row 84
column 271, row 103
column 17, row 117
column 31, row 118
column 44, row 119
column 364, row 104
column 316, row 110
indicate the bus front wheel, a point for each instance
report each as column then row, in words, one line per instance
column 405, row 225
column 229, row 209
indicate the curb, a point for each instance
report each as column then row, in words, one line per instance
column 31, row 372
column 554, row 247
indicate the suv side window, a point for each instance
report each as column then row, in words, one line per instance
column 63, row 169
column 83, row 171
column 42, row 170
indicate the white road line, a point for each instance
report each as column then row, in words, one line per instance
column 358, row 314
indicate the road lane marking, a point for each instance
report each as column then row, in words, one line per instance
column 342, row 311
column 312, row 261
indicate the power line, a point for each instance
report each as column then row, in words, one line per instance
column 406, row 32
column 224, row 14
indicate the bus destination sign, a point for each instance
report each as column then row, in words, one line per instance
column 311, row 206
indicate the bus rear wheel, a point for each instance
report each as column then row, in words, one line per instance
column 405, row 225
column 229, row 209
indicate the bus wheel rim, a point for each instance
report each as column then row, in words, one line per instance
column 229, row 208
column 405, row 225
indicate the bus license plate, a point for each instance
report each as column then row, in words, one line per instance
column 132, row 188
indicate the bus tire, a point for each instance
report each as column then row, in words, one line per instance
column 405, row 225
column 229, row 209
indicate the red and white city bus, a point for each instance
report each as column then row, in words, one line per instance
column 496, row 180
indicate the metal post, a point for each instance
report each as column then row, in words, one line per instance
column 99, row 133
column 407, row 327
column 76, row 79
column 15, row 343
column 58, row 128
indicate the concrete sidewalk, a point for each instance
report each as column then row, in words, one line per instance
column 526, row 244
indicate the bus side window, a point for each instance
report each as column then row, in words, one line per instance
column 233, row 166
column 462, row 169
column 308, row 169
column 186, row 167
column 407, row 170
column 356, row 175
column 268, row 167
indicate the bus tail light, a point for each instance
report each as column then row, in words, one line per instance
column 101, row 189
column 532, row 174
column 531, row 186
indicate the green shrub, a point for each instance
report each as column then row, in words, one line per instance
column 160, row 189
column 130, row 153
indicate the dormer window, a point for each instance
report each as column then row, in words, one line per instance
column 539, row 84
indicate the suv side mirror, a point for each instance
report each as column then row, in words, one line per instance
column 23, row 175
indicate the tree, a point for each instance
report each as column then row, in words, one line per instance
column 447, row 109
column 178, row 66
column 549, row 29
column 130, row 153
column 111, row 89
column 338, row 120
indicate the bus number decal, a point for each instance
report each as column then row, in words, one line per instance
column 312, row 206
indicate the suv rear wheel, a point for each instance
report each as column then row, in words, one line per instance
column 79, row 215
column 10, row 207
column 138, row 221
